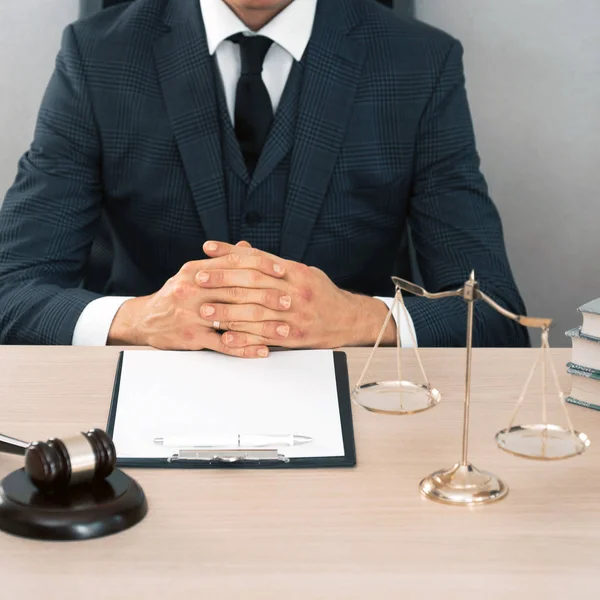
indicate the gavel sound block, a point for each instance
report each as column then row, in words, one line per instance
column 68, row 490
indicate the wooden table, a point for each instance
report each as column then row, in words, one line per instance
column 321, row 534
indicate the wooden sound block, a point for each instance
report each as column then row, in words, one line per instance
column 85, row 511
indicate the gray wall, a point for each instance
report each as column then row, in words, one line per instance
column 533, row 77
column 30, row 32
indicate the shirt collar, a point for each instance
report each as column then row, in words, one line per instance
column 290, row 29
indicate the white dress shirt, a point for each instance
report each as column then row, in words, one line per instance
column 290, row 31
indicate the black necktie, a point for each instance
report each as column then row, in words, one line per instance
column 253, row 108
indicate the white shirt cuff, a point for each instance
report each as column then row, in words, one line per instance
column 94, row 322
column 406, row 326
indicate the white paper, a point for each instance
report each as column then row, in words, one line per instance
column 165, row 394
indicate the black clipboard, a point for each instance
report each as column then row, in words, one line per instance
column 345, row 410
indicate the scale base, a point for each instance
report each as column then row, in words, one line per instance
column 396, row 397
column 542, row 442
column 88, row 510
column 463, row 485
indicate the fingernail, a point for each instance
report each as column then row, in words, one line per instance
column 278, row 269
column 285, row 301
column 208, row 311
column 283, row 330
column 202, row 277
column 229, row 338
column 263, row 353
column 211, row 246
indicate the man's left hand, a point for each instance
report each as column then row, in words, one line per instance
column 321, row 315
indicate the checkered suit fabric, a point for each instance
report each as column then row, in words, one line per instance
column 129, row 129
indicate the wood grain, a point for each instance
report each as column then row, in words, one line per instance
column 346, row 533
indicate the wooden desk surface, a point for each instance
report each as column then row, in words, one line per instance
column 354, row 533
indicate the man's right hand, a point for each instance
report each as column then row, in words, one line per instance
column 170, row 319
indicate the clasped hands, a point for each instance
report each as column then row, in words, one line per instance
column 258, row 299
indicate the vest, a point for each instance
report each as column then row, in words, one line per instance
column 256, row 206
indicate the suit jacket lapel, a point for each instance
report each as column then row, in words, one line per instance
column 333, row 66
column 185, row 71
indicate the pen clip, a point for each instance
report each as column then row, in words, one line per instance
column 234, row 455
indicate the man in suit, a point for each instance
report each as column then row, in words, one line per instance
column 258, row 163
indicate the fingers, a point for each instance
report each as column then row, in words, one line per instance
column 195, row 335
column 237, row 312
column 255, row 349
column 273, row 299
column 241, row 312
column 244, row 244
column 239, row 277
column 271, row 266
column 273, row 332
column 235, row 341
column 216, row 249
column 256, row 262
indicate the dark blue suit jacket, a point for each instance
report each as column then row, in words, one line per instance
column 128, row 129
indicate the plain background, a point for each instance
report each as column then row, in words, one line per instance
column 533, row 77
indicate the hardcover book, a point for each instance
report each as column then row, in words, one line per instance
column 585, row 391
column 586, row 350
column 575, row 369
column 591, row 319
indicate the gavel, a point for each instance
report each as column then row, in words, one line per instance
column 58, row 463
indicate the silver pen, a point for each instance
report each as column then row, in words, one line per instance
column 239, row 440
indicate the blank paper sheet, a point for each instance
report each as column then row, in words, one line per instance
column 163, row 394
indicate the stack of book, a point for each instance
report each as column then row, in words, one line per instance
column 585, row 358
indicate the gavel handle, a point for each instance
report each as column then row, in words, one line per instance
column 12, row 446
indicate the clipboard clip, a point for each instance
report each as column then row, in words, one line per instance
column 234, row 455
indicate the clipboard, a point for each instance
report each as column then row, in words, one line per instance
column 252, row 458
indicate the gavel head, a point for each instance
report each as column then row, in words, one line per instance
column 56, row 464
